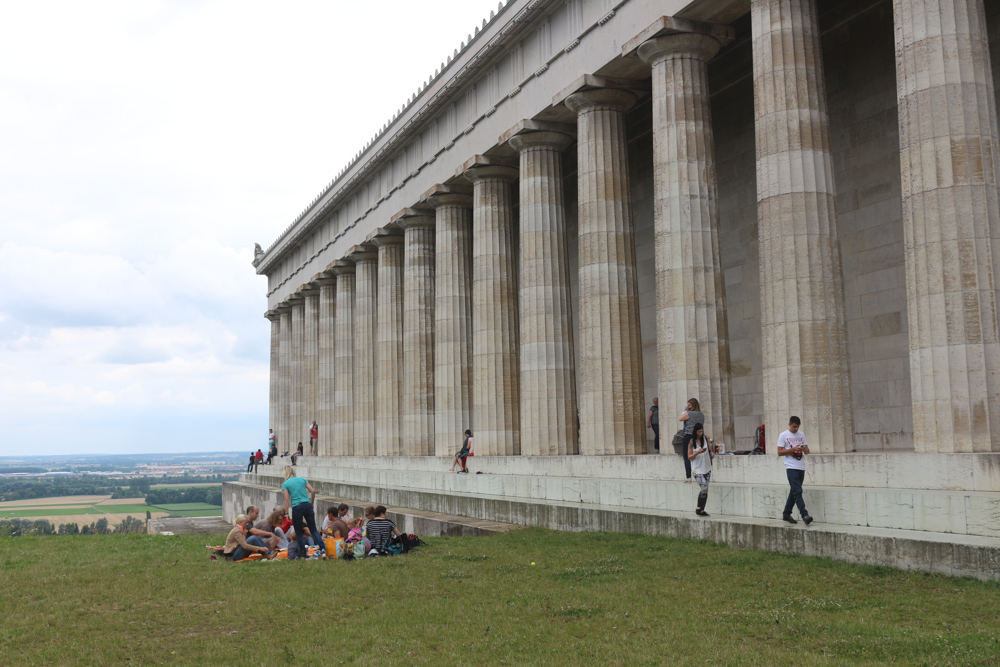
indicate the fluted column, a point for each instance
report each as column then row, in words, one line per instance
column 805, row 364
column 389, row 345
column 418, row 335
column 951, row 222
column 612, row 412
column 452, row 320
column 327, row 363
column 284, row 430
column 365, row 323
column 343, row 375
column 295, row 417
column 692, row 332
column 274, row 380
column 495, row 368
column 548, row 378
column 310, row 361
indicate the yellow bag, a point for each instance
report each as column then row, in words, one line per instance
column 334, row 547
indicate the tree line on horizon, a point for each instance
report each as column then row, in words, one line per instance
column 28, row 527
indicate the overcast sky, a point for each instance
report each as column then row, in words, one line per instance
column 144, row 148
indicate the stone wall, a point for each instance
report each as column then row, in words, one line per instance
column 859, row 55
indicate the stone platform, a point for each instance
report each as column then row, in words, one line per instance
column 938, row 513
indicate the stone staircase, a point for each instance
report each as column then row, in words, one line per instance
column 935, row 513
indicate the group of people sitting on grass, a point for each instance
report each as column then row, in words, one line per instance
column 296, row 534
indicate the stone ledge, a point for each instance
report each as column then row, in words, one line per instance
column 959, row 512
column 944, row 553
column 894, row 470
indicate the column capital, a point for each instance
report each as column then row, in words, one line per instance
column 481, row 167
column 273, row 315
column 529, row 140
column 324, row 280
column 340, row 267
column 384, row 236
column 422, row 220
column 528, row 125
column 440, row 196
column 414, row 217
column 606, row 91
column 673, row 25
column 283, row 308
column 362, row 252
column 612, row 99
column 658, row 49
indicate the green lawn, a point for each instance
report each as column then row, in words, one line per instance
column 190, row 506
column 589, row 598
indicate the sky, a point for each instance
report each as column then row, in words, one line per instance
column 144, row 148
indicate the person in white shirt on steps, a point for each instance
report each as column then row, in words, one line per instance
column 792, row 445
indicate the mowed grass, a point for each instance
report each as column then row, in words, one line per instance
column 189, row 506
column 589, row 598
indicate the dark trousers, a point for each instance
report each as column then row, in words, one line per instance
column 656, row 437
column 795, row 479
column 250, row 466
column 303, row 515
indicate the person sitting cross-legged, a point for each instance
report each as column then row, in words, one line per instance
column 380, row 529
column 238, row 546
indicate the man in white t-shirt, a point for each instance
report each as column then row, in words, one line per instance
column 792, row 445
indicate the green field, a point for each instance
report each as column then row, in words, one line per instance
column 189, row 506
column 180, row 487
column 529, row 597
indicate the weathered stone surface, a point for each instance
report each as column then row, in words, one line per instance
column 310, row 361
column 452, row 319
column 692, row 328
column 343, row 396
column 296, row 423
column 389, row 344
column 495, row 367
column 327, row 364
column 418, row 335
column 274, row 377
column 548, row 377
column 611, row 398
column 805, row 362
column 283, row 431
column 365, row 323
column 949, row 148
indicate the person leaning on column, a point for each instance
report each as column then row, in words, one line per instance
column 314, row 439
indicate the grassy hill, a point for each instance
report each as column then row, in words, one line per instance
column 587, row 599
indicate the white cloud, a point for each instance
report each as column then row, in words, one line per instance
column 146, row 147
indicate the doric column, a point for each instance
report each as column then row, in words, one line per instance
column 327, row 362
column 548, row 378
column 418, row 335
column 389, row 344
column 951, row 222
column 495, row 368
column 692, row 332
column 310, row 361
column 365, row 324
column 274, row 391
column 284, row 430
column 295, row 417
column 343, row 374
column 612, row 417
column 805, row 364
column 452, row 318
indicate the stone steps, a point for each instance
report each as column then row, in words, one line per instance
column 961, row 512
column 947, row 553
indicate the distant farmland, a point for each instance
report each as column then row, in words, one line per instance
column 84, row 510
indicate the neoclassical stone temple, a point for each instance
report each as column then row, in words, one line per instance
column 776, row 206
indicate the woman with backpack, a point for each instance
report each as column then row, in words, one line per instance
column 700, row 455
